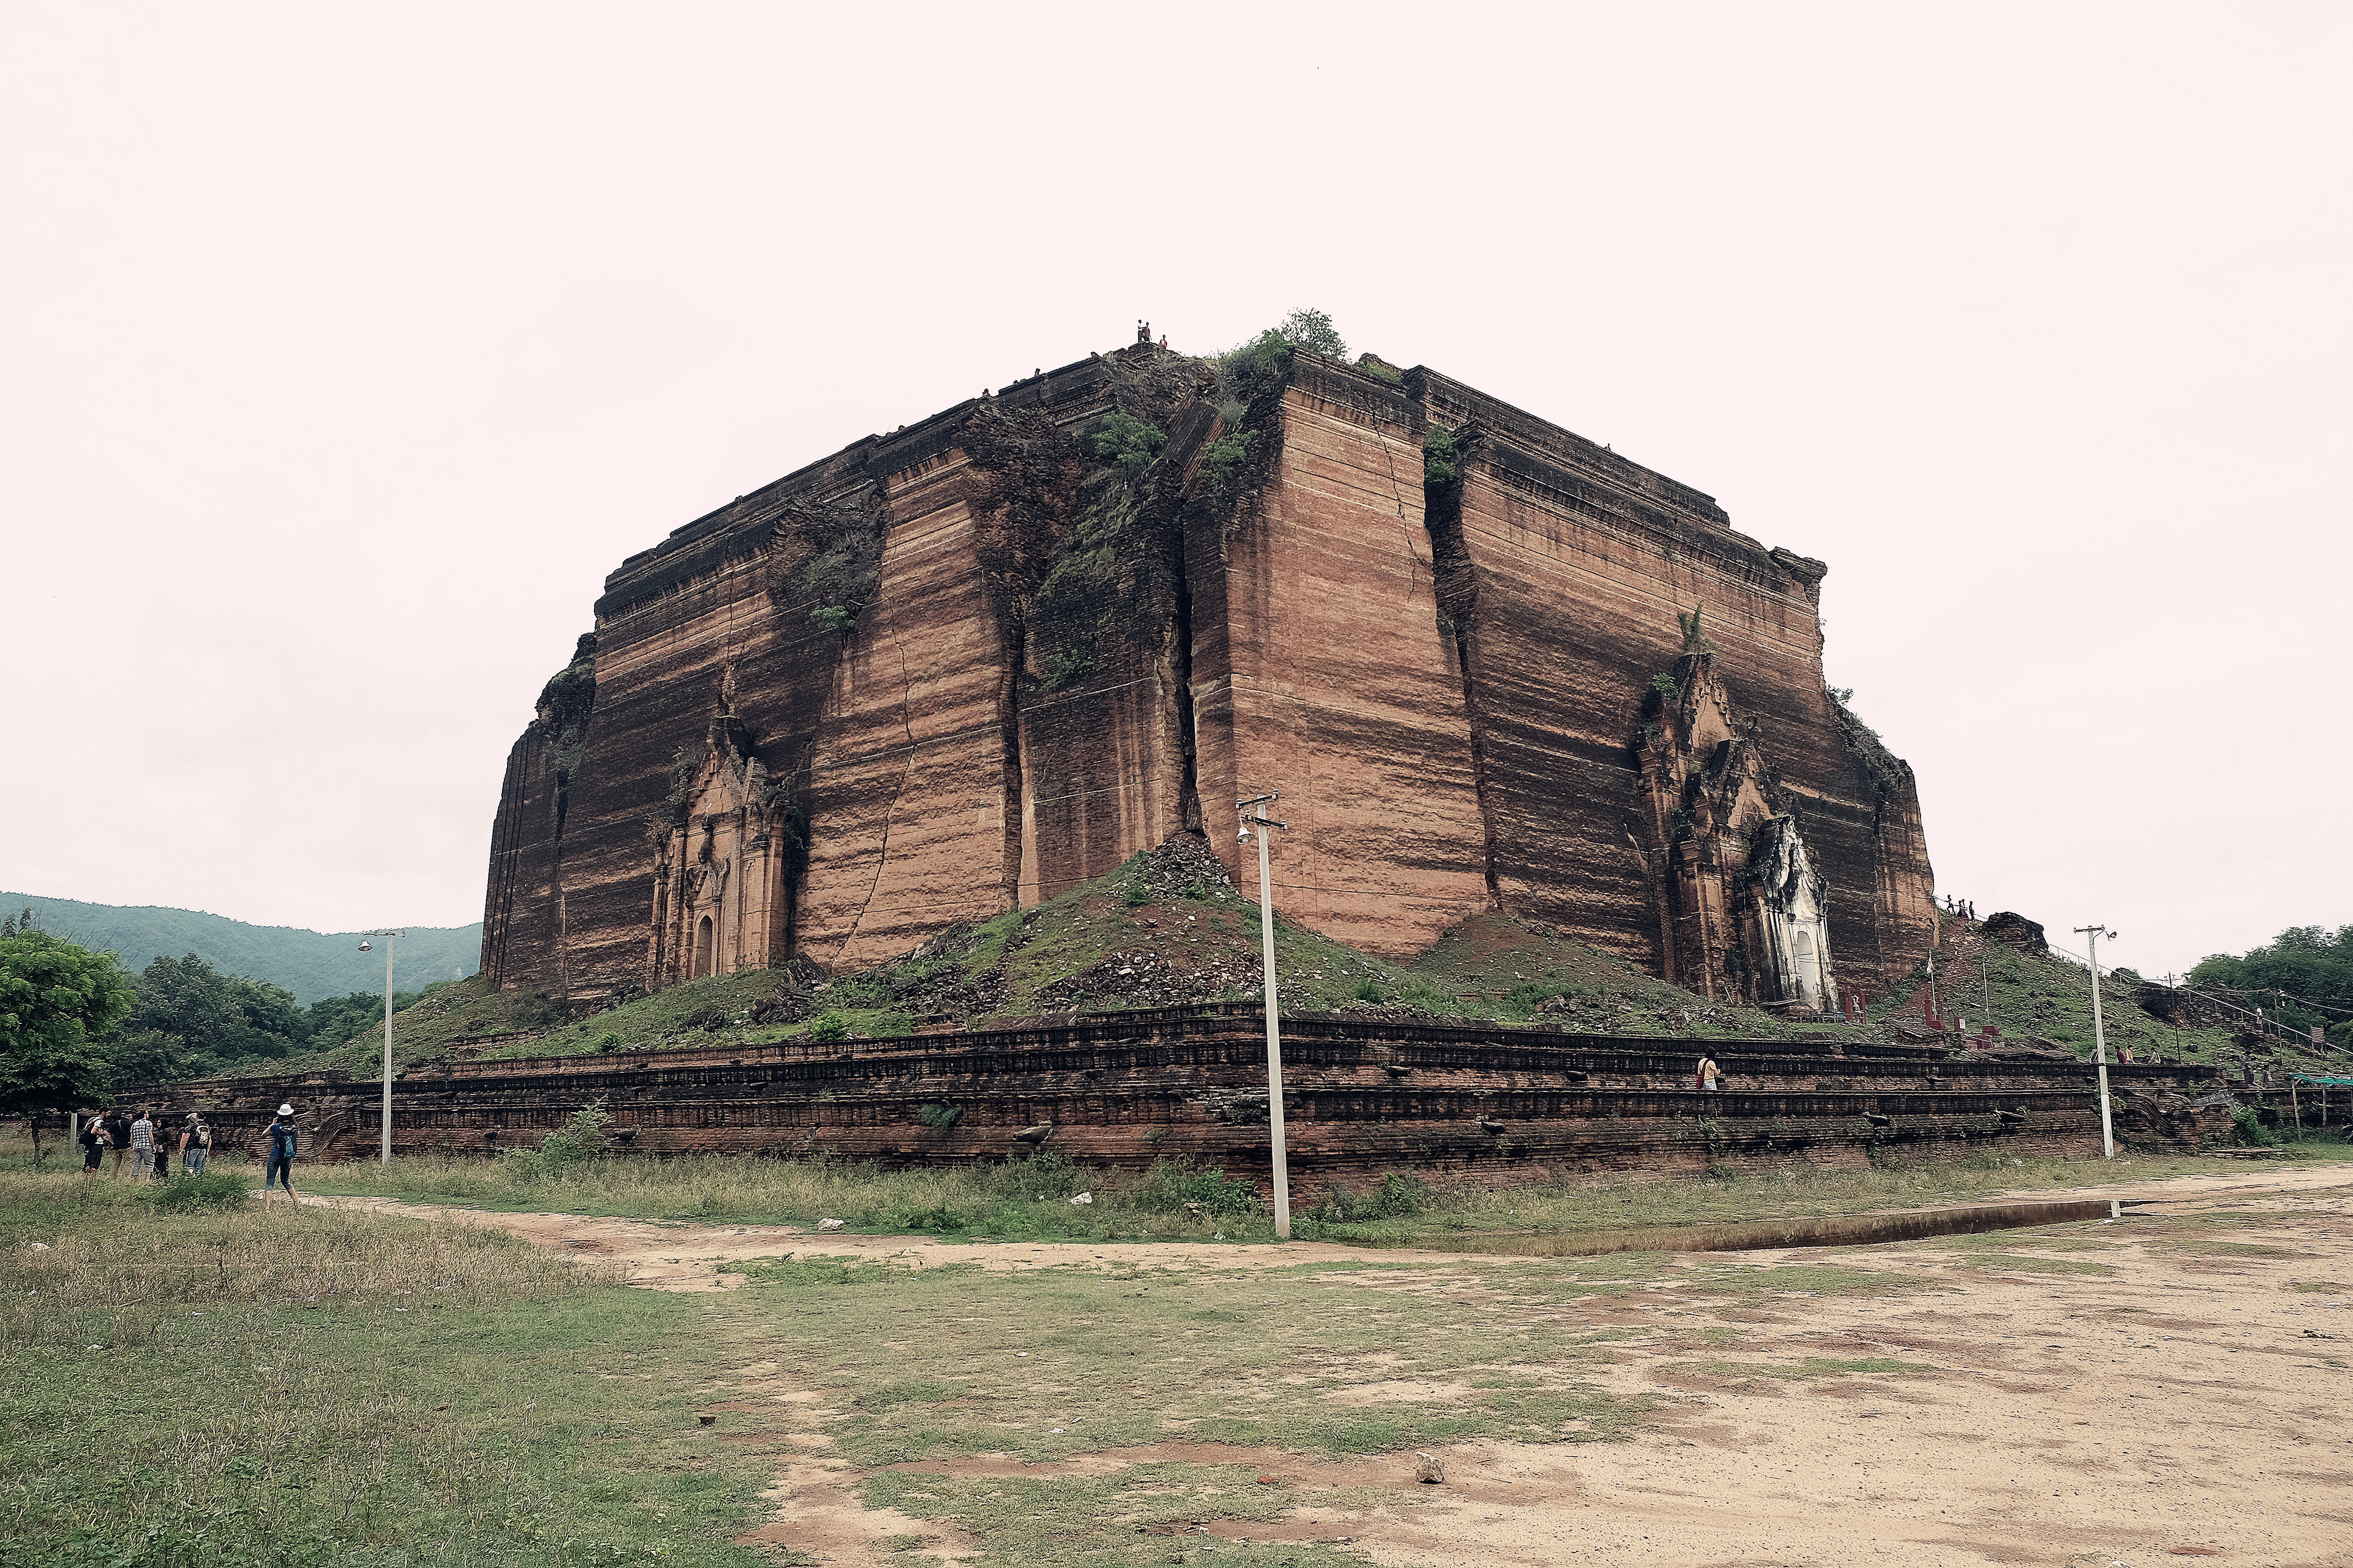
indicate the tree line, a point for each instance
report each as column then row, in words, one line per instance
column 2303, row 977
column 75, row 1025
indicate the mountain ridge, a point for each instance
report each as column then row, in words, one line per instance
column 312, row 964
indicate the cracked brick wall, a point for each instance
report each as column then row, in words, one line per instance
column 973, row 665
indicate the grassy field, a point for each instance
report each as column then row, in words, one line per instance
column 193, row 1381
column 1027, row 1199
column 215, row 1385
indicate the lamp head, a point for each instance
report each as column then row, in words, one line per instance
column 1243, row 836
column 368, row 947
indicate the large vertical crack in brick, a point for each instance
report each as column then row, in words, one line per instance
column 1456, row 579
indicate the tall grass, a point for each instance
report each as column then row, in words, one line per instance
column 1028, row 1198
column 89, row 1262
column 221, row 1387
column 1019, row 1198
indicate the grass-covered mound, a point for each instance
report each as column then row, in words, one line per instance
column 1168, row 928
column 2042, row 995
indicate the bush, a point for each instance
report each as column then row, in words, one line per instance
column 1127, row 443
column 2247, row 1130
column 829, row 1027
column 1312, row 329
column 212, row 1190
column 1050, row 1174
column 1397, row 1198
column 1223, row 461
column 1169, row 1185
column 940, row 1118
column 1369, row 991
column 834, row 617
column 581, row 1138
column 1441, row 458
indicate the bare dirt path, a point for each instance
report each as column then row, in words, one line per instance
column 2136, row 1395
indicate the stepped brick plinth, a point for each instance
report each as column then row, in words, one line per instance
column 1122, row 1090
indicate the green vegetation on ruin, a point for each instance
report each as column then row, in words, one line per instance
column 1200, row 936
column 2026, row 995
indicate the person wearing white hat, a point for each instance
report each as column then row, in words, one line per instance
column 284, row 1139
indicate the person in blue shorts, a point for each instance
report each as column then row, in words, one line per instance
column 283, row 1140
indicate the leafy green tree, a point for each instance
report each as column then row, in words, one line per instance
column 189, row 1018
column 1314, row 330
column 334, row 1020
column 1127, row 443
column 57, row 998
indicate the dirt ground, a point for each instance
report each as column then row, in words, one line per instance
column 2187, row 1398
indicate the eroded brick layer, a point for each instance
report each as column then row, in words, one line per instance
column 981, row 660
column 1360, row 1098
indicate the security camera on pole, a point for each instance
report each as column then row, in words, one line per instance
column 2100, row 1039
column 1253, row 814
column 389, row 938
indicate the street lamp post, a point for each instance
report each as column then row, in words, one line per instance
column 2100, row 1039
column 1253, row 814
column 390, row 937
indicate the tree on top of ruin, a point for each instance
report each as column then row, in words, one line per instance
column 1314, row 330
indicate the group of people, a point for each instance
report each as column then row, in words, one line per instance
column 148, row 1147
column 145, row 1143
column 1965, row 908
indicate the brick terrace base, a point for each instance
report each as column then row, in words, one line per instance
column 1483, row 1103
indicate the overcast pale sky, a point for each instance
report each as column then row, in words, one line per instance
column 348, row 348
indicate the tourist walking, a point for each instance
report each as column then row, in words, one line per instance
column 1707, row 1073
column 93, row 1145
column 142, row 1146
column 196, row 1144
column 284, row 1139
column 118, row 1138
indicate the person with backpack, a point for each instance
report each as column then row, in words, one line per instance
column 142, row 1146
column 284, row 1140
column 196, row 1144
column 93, row 1145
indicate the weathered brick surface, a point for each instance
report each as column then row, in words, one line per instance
column 1361, row 1098
column 1446, row 683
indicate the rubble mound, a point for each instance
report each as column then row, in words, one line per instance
column 2016, row 930
column 1143, row 977
column 1183, row 865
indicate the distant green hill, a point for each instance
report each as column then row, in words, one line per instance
column 312, row 964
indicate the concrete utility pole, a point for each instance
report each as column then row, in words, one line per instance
column 2100, row 1039
column 389, row 938
column 1253, row 814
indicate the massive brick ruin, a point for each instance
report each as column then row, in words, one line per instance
column 984, row 659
